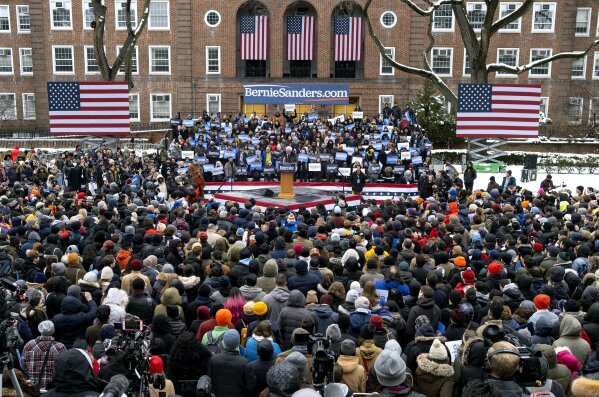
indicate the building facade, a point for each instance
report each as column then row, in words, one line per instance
column 191, row 58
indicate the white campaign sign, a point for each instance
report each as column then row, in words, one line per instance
column 357, row 115
column 453, row 347
column 290, row 107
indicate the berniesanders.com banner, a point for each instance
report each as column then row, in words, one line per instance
column 310, row 94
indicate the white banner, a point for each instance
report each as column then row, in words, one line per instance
column 314, row 167
column 187, row 154
column 357, row 115
column 453, row 347
column 345, row 171
column 289, row 107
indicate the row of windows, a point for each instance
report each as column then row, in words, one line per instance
column 8, row 106
column 543, row 18
column 575, row 110
column 442, row 63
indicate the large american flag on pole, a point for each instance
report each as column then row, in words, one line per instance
column 348, row 38
column 498, row 111
column 89, row 108
column 254, row 37
column 300, row 38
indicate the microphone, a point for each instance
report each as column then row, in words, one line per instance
column 117, row 386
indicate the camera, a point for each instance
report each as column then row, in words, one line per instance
column 324, row 361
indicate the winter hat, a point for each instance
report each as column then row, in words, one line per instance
column 351, row 296
column 468, row 276
column 106, row 273
column 260, row 309
column 150, row 261
column 136, row 265
column 168, row 268
column 326, row 299
column 394, row 346
column 107, row 332
column 156, row 365
column 311, row 297
column 91, row 277
column 73, row 259
column 376, row 320
column 299, row 361
column 556, row 274
column 542, row 301
column 223, row 317
column 333, row 333
column 46, row 328
column 335, row 237
column 348, row 347
column 71, row 249
column 130, row 229
column 362, row 303
column 58, row 268
column 335, row 390
column 283, row 379
column 460, row 261
column 248, row 308
column 230, row 339
column 390, row 369
column 528, row 305
column 494, row 268
column 74, row 290
column 367, row 331
column 437, row 352
column 39, row 278
column 572, row 306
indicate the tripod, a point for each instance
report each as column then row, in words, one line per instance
column 6, row 363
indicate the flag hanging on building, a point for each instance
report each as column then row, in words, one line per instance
column 300, row 38
column 498, row 111
column 348, row 38
column 254, row 37
column 89, row 108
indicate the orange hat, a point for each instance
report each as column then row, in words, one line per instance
column 419, row 200
column 223, row 317
column 525, row 204
column 460, row 261
column 542, row 301
column 35, row 192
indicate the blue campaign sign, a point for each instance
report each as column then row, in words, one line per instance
column 256, row 166
column 286, row 167
column 229, row 153
column 340, row 156
column 392, row 159
column 189, row 122
column 303, row 157
column 200, row 159
column 274, row 94
column 243, row 137
column 417, row 160
column 208, row 167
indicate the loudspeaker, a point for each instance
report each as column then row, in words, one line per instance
column 530, row 161
column 268, row 193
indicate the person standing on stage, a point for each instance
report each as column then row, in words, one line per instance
column 358, row 180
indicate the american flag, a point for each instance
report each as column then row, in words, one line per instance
column 254, row 37
column 348, row 38
column 498, row 111
column 89, row 108
column 300, row 38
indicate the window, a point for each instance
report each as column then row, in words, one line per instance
column 583, row 21
column 575, row 110
column 443, row 19
column 213, row 103
column 62, row 59
column 160, row 107
column 543, row 70
column 594, row 111
column 579, row 68
column 509, row 57
column 4, row 19
column 121, row 14
column 29, row 106
column 134, row 58
column 212, row 60
column 160, row 60
column 134, row 107
column 8, row 107
column 91, row 64
column 23, row 21
column 159, row 15
column 467, row 68
column 61, row 14
column 6, row 61
column 596, row 66
column 442, row 61
column 476, row 14
column 388, row 19
column 506, row 9
column 26, row 60
column 88, row 14
column 386, row 68
column 385, row 99
column 212, row 18
column 544, row 109
column 543, row 17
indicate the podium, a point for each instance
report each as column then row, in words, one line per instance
column 287, row 171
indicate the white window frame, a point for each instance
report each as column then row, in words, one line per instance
column 584, row 69
column 150, row 58
column 138, row 108
column 466, row 63
column 170, row 103
column 23, row 96
column 535, row 8
column 85, row 5
column 596, row 66
column 381, row 103
column 208, row 48
column 452, row 21
column 383, row 61
column 120, row 5
column 508, row 75
column 19, row 14
column 208, row 102
column 590, row 16
column 52, row 8
column 381, row 19
column 541, row 76
column 54, row 48
column 450, row 61
column 21, row 61
column 14, row 106
column 12, row 62
column 168, row 13
column 8, row 15
column 546, row 99
column 85, row 48
column 502, row 9
column 136, row 60
column 470, row 7
column 579, row 121
column 220, row 18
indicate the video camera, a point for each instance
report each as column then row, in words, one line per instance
column 323, row 363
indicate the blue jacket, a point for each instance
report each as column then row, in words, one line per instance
column 404, row 289
column 303, row 282
column 357, row 319
column 251, row 349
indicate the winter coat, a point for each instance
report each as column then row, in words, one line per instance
column 73, row 376
column 276, row 300
column 357, row 319
column 251, row 348
column 251, row 293
column 292, row 315
column 383, row 335
column 420, row 345
column 116, row 300
column 557, row 372
column 591, row 325
column 542, row 334
column 128, row 279
column 367, row 353
column 427, row 307
column 470, row 363
column 170, row 297
column 400, row 391
column 72, row 321
column 267, row 281
column 231, row 374
column 569, row 331
column 141, row 305
column 433, row 379
column 585, row 387
column 303, row 281
column 323, row 316
column 354, row 374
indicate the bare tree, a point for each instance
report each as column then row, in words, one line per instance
column 124, row 57
column 477, row 44
column 7, row 109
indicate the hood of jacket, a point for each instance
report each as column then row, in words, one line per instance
column 543, row 327
column 250, row 293
column 280, row 294
column 474, row 352
column 71, row 305
column 160, row 325
column 585, row 387
column 570, row 326
column 296, row 299
column 170, row 297
column 73, row 372
column 368, row 349
column 426, row 303
column 434, row 368
column 271, row 269
column 548, row 353
column 592, row 315
column 189, row 282
column 348, row 363
column 324, row 311
column 114, row 297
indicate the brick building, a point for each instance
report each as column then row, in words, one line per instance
column 189, row 59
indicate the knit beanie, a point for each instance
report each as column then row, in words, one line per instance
column 367, row 331
column 348, row 348
column 299, row 361
column 528, row 305
column 73, row 259
column 231, row 339
column 75, row 291
column 107, row 332
column 150, row 261
column 376, row 320
column 39, row 278
column 390, row 369
column 136, row 265
column 46, row 328
column 223, row 317
column 542, row 301
column 168, row 268
column 333, row 333
column 248, row 308
column 351, row 296
column 437, row 352
column 311, row 298
column 283, row 379
column 156, row 365
column 91, row 277
column 394, row 346
column 362, row 303
column 58, row 268
column 106, row 273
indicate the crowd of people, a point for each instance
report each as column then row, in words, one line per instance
column 442, row 295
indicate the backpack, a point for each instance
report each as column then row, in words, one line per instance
column 243, row 334
column 215, row 346
column 543, row 391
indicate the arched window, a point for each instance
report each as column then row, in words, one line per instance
column 300, row 40
column 347, row 41
column 253, row 30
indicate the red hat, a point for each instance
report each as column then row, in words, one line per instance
column 468, row 276
column 203, row 236
column 494, row 268
column 376, row 214
column 376, row 320
column 156, row 365
column 136, row 265
column 326, row 299
column 63, row 234
column 298, row 249
column 434, row 233
column 80, row 195
column 542, row 301
column 537, row 247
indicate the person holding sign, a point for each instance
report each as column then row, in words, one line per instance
column 358, row 180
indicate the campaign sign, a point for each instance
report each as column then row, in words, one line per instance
column 208, row 167
column 417, row 160
column 229, row 154
column 269, row 170
column 405, row 155
column 392, row 159
column 303, row 157
column 340, row 156
column 398, row 169
column 296, row 93
column 213, row 154
column 200, row 159
column 358, row 115
column 286, row 167
column 314, row 167
column 332, row 168
column 324, row 157
column 345, row 171
column 313, row 158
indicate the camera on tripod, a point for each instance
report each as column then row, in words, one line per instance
column 323, row 359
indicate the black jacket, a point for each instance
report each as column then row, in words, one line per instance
column 427, row 307
column 72, row 322
column 141, row 305
column 73, row 376
column 291, row 317
column 358, row 181
column 231, row 375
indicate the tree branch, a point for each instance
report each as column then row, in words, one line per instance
column 432, row 6
column 100, row 15
column 500, row 23
column 468, row 35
